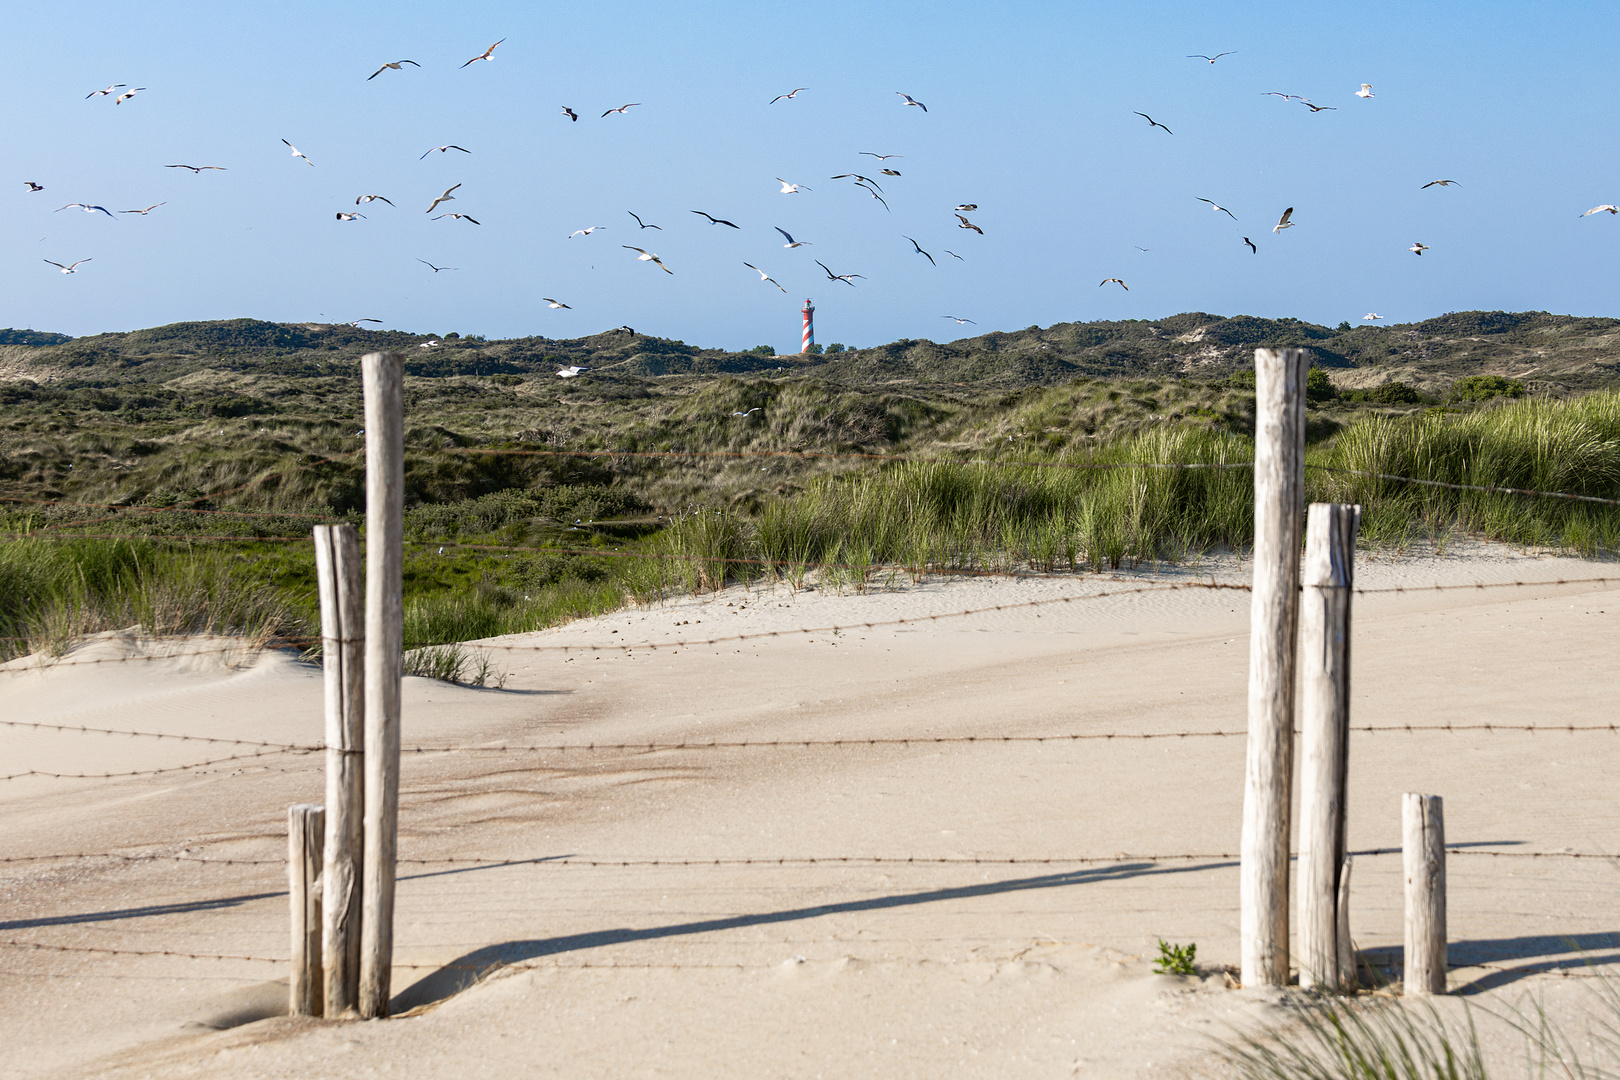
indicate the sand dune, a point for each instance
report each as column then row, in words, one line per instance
column 554, row 966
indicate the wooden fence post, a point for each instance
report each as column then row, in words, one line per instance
column 1279, row 496
column 383, row 378
column 306, row 827
column 1423, row 856
column 1324, row 660
column 337, row 570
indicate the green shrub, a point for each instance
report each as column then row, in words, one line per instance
column 1484, row 387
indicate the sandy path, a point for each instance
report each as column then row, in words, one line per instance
column 801, row 969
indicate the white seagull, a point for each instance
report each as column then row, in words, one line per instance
column 1211, row 59
column 1600, row 209
column 86, row 207
column 763, row 276
column 1283, row 222
column 1116, row 281
column 1213, row 205
column 68, row 269
column 103, row 93
column 341, row 216
column 647, row 256
column 556, row 304
column 456, row 217
column 485, row 55
column 392, row 64
column 880, row 157
column 446, row 197
column 1371, row 316
column 790, row 189
column 148, row 210
column 1439, row 183
column 786, row 97
column 435, row 269
column 845, row 278
column 197, row 170
column 296, row 152
column 913, row 101
column 1365, row 91
column 958, row 321
column 585, row 232
column 442, row 149
column 750, row 412
column 1418, row 248
column 621, row 108
column 571, row 370
column 121, row 98
column 372, row 198
column 643, row 224
column 791, row 243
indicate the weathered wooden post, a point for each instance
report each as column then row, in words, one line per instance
column 306, row 828
column 1324, row 660
column 1423, row 856
column 1279, row 496
column 383, row 378
column 337, row 570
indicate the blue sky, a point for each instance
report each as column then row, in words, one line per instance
column 1030, row 115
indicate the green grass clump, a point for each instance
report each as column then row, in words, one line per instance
column 1344, row 1040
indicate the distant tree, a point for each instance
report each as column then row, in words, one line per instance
column 764, row 350
column 451, row 337
column 835, row 347
column 1484, row 387
column 1318, row 387
column 814, row 350
column 1343, row 326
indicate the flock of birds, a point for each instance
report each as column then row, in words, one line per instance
column 867, row 184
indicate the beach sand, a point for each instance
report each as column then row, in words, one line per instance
column 801, row 968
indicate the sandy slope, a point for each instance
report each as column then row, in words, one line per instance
column 797, row 969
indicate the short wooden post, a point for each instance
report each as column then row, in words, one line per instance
column 1423, row 854
column 383, row 379
column 1349, row 978
column 1324, row 660
column 337, row 570
column 306, row 831
column 1279, row 497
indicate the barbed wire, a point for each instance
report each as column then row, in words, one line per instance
column 82, row 730
column 143, row 772
column 1487, row 488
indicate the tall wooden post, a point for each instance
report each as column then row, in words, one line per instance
column 337, row 570
column 306, row 825
column 1279, row 496
column 1423, row 855
column 1324, row 660
column 383, row 377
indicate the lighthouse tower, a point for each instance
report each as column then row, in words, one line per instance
column 809, row 314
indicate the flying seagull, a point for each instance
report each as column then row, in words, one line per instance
column 148, row 210
column 1285, row 97
column 790, row 189
column 571, row 371
column 1365, row 91
column 341, row 216
column 880, row 157
column 585, row 232
column 913, row 101
column 714, row 220
column 485, row 55
column 643, row 224
column 750, row 412
column 395, row 65
column 297, row 153
column 126, row 95
column 889, row 172
column 559, row 305
column 33, row 186
column 1154, row 123
column 1439, row 183
column 1318, row 108
column 763, row 276
column 1116, row 281
column 1211, row 59
column 787, row 97
column 875, row 195
column 953, row 254
column 197, row 170
column 446, row 197
column 571, row 114
column 103, row 93
column 920, row 251
column 435, row 269
column 1371, row 316
column 966, row 224
column 621, row 108
column 442, row 149
column 958, row 321
column 845, row 278
column 647, row 256
column 791, row 243
column 1283, row 222
column 356, row 323
column 1599, row 209
column 457, row 217
column 1418, row 248
column 86, row 207
column 1252, row 248
column 372, row 198
column 1213, row 205
column 68, row 269
column 967, row 207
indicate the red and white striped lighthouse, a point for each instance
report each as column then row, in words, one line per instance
column 809, row 314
